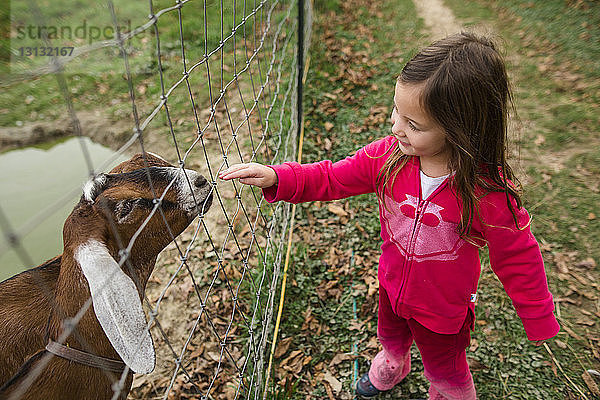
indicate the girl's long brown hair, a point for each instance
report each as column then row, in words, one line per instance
column 466, row 91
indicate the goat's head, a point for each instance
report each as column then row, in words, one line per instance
column 119, row 211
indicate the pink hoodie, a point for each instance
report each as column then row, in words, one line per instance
column 428, row 271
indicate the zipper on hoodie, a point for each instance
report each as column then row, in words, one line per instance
column 408, row 261
column 410, row 248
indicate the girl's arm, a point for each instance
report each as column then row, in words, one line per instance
column 324, row 180
column 516, row 259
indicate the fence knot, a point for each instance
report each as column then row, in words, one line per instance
column 124, row 254
column 69, row 324
column 117, row 386
column 12, row 239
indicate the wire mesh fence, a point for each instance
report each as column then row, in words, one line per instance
column 204, row 84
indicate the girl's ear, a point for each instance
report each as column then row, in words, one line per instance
column 117, row 306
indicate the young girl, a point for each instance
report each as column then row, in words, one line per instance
column 444, row 190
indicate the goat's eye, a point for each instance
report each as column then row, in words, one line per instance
column 124, row 208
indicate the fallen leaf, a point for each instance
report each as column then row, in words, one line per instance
column 476, row 365
column 560, row 344
column 373, row 343
column 186, row 287
column 571, row 333
column 329, row 289
column 337, row 210
column 329, row 391
column 335, row 384
column 587, row 263
column 339, row 358
column 562, row 260
column 328, row 126
column 587, row 321
column 283, row 347
column 591, row 384
column 140, row 381
column 229, row 391
column 474, row 345
column 355, row 325
column 310, row 322
column 360, row 228
column 372, row 284
column 214, row 356
column 294, row 362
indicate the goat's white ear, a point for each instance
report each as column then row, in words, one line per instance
column 117, row 306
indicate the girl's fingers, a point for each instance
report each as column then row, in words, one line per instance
column 235, row 171
column 250, row 174
column 252, row 181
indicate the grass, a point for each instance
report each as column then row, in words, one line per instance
column 552, row 49
column 96, row 80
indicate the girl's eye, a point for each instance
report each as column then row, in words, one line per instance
column 412, row 126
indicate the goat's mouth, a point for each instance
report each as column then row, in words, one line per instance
column 195, row 193
column 205, row 205
column 200, row 205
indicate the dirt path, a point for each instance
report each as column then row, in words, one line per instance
column 438, row 18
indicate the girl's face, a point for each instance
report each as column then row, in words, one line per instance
column 418, row 135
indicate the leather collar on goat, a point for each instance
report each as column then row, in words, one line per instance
column 82, row 357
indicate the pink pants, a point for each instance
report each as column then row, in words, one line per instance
column 444, row 356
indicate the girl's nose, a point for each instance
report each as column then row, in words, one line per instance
column 392, row 121
column 396, row 128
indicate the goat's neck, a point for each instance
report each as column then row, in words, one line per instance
column 73, row 293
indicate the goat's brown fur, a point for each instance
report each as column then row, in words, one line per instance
column 29, row 293
column 34, row 304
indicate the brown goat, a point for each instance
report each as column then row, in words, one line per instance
column 37, row 307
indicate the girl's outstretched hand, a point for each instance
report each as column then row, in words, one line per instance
column 251, row 174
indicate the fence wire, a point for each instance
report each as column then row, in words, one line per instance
column 209, row 302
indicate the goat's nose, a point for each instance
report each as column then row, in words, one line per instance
column 200, row 181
